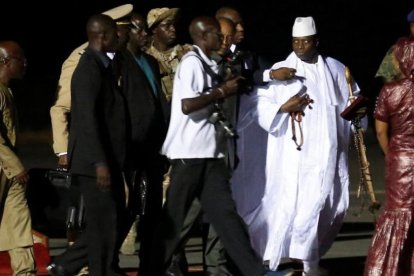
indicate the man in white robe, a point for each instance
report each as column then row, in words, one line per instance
column 306, row 191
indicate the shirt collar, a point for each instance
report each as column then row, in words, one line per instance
column 103, row 56
column 209, row 61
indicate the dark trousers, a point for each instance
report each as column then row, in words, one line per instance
column 153, row 168
column 207, row 179
column 215, row 256
column 215, row 260
column 97, row 244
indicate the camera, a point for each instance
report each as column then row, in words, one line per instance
column 235, row 62
column 219, row 120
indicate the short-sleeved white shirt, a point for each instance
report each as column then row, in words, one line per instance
column 192, row 135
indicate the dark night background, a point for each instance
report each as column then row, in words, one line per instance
column 356, row 32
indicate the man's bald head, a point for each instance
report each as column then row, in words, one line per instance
column 98, row 23
column 10, row 48
column 12, row 61
column 228, row 30
column 229, row 13
column 102, row 33
column 205, row 32
column 227, row 25
column 233, row 15
column 200, row 25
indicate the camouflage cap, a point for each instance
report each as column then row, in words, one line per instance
column 159, row 14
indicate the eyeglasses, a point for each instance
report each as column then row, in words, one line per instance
column 135, row 27
column 22, row 60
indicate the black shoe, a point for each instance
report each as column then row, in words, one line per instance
column 55, row 270
column 178, row 265
column 173, row 270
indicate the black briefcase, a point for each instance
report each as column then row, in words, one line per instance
column 52, row 198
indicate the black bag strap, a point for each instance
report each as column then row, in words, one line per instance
column 214, row 76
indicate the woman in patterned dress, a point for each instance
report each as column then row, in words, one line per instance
column 391, row 251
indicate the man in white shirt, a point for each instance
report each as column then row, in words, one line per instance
column 197, row 150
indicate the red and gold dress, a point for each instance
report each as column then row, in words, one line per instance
column 391, row 251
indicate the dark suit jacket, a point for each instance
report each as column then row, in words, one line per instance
column 149, row 113
column 98, row 117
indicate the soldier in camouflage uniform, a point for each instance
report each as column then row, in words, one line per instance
column 162, row 24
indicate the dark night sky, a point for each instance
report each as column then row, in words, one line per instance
column 358, row 36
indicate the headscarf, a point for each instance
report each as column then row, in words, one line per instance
column 404, row 54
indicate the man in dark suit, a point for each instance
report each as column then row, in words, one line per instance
column 97, row 150
column 148, row 113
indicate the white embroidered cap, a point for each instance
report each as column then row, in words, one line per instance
column 304, row 26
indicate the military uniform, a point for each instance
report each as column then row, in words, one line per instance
column 168, row 61
column 15, row 222
column 59, row 112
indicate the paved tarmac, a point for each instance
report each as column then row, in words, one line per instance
column 345, row 258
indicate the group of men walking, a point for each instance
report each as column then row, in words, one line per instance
column 152, row 109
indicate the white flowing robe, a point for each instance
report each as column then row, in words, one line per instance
column 305, row 195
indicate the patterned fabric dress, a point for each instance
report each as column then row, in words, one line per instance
column 391, row 252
